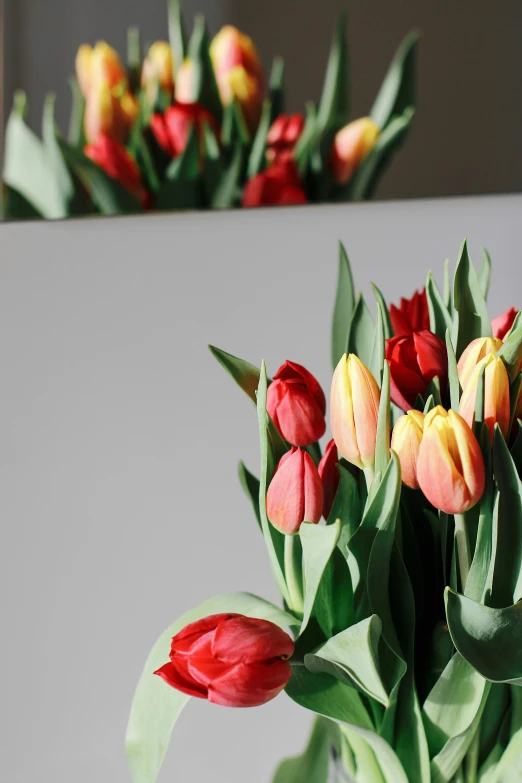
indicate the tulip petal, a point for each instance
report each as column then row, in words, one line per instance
column 250, row 685
column 251, row 641
column 176, row 675
column 437, row 475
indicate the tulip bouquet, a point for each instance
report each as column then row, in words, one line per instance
column 401, row 625
column 191, row 126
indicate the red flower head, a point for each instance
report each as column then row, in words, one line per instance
column 283, row 136
column 118, row 163
column 412, row 315
column 329, row 476
column 229, row 659
column 297, row 405
column 295, row 494
column 279, row 185
column 503, row 323
column 172, row 129
column 414, row 361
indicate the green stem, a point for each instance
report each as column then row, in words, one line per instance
column 472, row 758
column 463, row 549
column 293, row 574
column 369, row 475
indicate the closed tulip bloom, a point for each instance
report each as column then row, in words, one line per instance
column 238, row 71
column 450, row 467
column 414, row 361
column 229, row 659
column 158, row 70
column 297, row 405
column 279, row 185
column 350, row 147
column 186, row 83
column 106, row 112
column 295, row 494
column 502, row 324
column 119, row 164
column 283, row 135
column 98, row 64
column 354, row 411
column 406, row 440
column 496, row 395
column 172, row 128
column 412, row 315
column 329, row 475
column 476, row 351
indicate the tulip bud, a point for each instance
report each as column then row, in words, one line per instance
column 283, row 136
column 329, row 475
column 229, row 659
column 295, row 494
column 107, row 113
column 186, row 82
column 238, row 70
column 406, row 440
column 351, row 145
column 502, row 324
column 97, row 65
column 450, row 467
column 279, row 185
column 412, row 315
column 496, row 395
column 84, row 68
column 296, row 404
column 354, row 411
column 414, row 360
column 172, row 128
column 158, row 68
column 119, row 164
column 476, row 351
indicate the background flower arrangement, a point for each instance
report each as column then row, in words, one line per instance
column 193, row 125
column 404, row 607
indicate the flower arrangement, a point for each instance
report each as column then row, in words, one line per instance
column 192, row 125
column 401, row 626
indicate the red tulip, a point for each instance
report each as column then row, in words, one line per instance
column 172, row 129
column 119, row 164
column 229, row 659
column 503, row 323
column 297, row 405
column 414, row 361
column 295, row 494
column 412, row 315
column 279, row 185
column 329, row 476
column 283, row 136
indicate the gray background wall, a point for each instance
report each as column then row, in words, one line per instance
column 120, row 437
column 469, row 124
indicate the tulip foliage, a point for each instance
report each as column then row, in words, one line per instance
column 195, row 123
column 401, row 626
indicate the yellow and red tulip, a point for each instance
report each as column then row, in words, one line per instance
column 496, row 394
column 238, row 71
column 476, row 351
column 406, row 441
column 158, row 69
column 350, row 147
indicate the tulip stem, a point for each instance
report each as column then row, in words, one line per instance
column 294, row 573
column 463, row 549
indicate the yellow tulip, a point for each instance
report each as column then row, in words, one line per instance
column 496, row 394
column 238, row 71
column 350, row 147
column 406, row 440
column 158, row 69
column 476, row 351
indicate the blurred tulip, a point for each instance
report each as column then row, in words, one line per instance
column 283, row 136
column 239, row 73
column 158, row 70
column 99, row 64
column 297, row 405
column 414, row 361
column 119, row 164
column 108, row 113
column 295, row 494
column 329, row 475
column 476, row 351
column 496, row 395
column 186, row 83
column 354, row 411
column 502, row 324
column 279, row 185
column 450, row 467
column 412, row 315
column 406, row 440
column 351, row 145
column 172, row 128
column 229, row 659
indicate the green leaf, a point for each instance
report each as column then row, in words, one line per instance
column 473, row 320
column 382, row 442
column 381, row 303
column 205, row 85
column 485, row 272
column 476, row 583
column 447, row 295
column 440, row 318
column 156, row 707
column 346, row 507
column 226, row 193
column 257, row 159
column 511, row 352
column 318, row 544
column 313, row 764
column 353, row 657
column 234, row 129
column 245, row 374
column 177, row 37
column 360, row 340
column 453, row 374
column 304, row 148
column 250, row 486
column 489, row 639
column 276, row 88
column 376, row 364
column 334, row 107
column 76, row 134
column 516, row 449
column 344, row 307
column 16, row 207
column 398, row 90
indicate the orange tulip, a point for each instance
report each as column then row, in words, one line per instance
column 354, row 411
column 351, row 145
column 496, row 394
column 450, row 467
column 476, row 351
column 239, row 73
column 406, row 440
column 107, row 113
column 158, row 69
column 98, row 64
